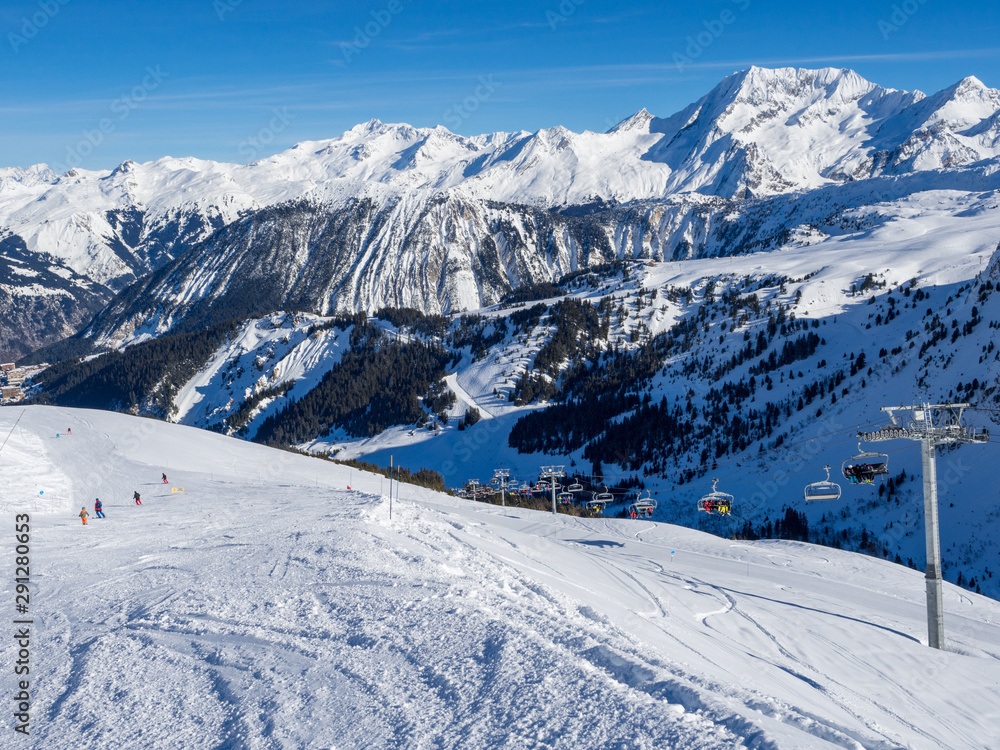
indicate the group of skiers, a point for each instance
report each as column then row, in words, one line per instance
column 863, row 473
column 99, row 508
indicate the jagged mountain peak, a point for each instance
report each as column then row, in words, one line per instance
column 971, row 84
column 373, row 125
column 32, row 175
column 969, row 92
column 757, row 86
column 124, row 168
column 639, row 121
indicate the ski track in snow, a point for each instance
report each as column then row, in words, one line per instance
column 268, row 607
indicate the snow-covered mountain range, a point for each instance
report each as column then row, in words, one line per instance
column 392, row 214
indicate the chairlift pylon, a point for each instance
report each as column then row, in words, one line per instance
column 865, row 466
column 823, row 490
column 716, row 502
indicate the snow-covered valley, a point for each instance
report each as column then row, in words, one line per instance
column 269, row 606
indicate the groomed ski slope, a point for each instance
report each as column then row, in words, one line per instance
column 268, row 606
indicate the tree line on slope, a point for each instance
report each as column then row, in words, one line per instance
column 377, row 383
column 143, row 378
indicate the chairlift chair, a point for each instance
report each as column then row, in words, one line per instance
column 604, row 497
column 645, row 504
column 575, row 487
column 865, row 466
column 716, row 502
column 564, row 497
column 824, row 490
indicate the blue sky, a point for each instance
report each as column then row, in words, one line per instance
column 91, row 83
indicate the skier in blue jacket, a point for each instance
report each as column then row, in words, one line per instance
column 98, row 513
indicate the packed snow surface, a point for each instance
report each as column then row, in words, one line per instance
column 269, row 606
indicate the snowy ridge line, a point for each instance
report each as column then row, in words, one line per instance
column 739, row 228
column 738, row 145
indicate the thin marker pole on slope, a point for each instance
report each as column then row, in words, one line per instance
column 390, row 486
column 11, row 431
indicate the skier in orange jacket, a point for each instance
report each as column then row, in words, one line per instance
column 83, row 515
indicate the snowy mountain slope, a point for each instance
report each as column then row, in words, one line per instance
column 903, row 282
column 815, row 282
column 957, row 125
column 758, row 133
column 266, row 354
column 764, row 131
column 40, row 301
column 301, row 615
column 450, row 254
